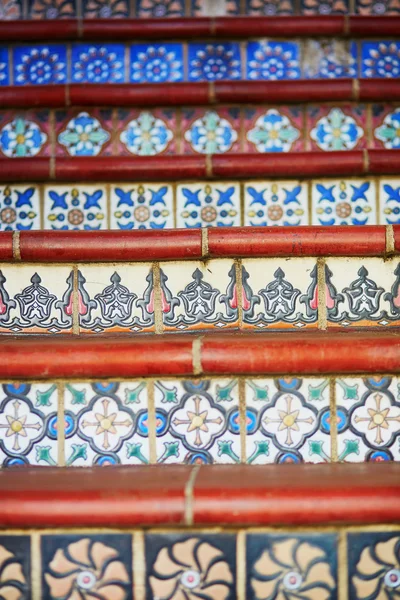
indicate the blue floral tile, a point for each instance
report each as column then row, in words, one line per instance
column 105, row 9
column 330, row 59
column 11, row 10
column 273, row 60
column 73, row 208
column 351, row 202
column 92, row 63
column 208, row 205
column 274, row 129
column 81, row 133
column 270, row 7
column 156, row 63
column 52, row 9
column 275, row 203
column 143, row 206
column 211, row 131
column 380, row 59
column 24, row 134
column 324, row 7
column 15, row 566
column 145, row 132
column 377, row 7
column 386, row 126
column 19, row 208
column 389, row 195
column 40, row 65
column 4, row 67
column 214, row 62
column 160, row 8
column 336, row 128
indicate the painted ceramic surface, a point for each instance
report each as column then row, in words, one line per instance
column 212, row 8
column 40, row 65
column 389, row 201
column 380, row 59
column 15, row 566
column 211, row 131
column 97, row 63
column 4, row 67
column 208, row 205
column 19, row 207
column 82, row 133
column 329, row 59
column 274, row 129
column 157, row 63
column 145, row 132
column 275, row 203
column 336, row 128
column 273, row 60
column 341, row 202
column 386, row 126
column 214, row 61
column 142, row 206
column 24, row 134
column 75, row 208
column 105, row 9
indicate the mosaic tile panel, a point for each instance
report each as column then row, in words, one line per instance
column 105, row 9
column 211, row 131
column 279, row 294
column 73, row 208
column 158, row 63
column 24, row 134
column 145, row 133
column 329, row 59
column 389, row 194
column 274, row 129
column 341, row 202
column 380, row 59
column 79, row 133
column 208, row 205
column 143, row 206
column 97, row 63
column 275, row 203
column 40, row 65
column 106, row 423
column 336, row 128
column 15, row 566
column 386, row 126
column 214, row 61
column 160, row 8
column 19, row 207
column 52, row 9
column 273, row 60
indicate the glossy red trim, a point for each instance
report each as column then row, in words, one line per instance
column 25, row 169
column 38, row 96
column 384, row 162
column 396, row 234
column 109, row 246
column 371, row 25
column 379, row 90
column 275, row 26
column 39, row 31
column 6, row 245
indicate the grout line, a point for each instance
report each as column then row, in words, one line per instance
column 16, row 247
column 242, row 202
column 241, row 565
column 342, row 566
column 309, row 202
column 322, row 312
column 242, row 419
column 178, row 132
column 75, row 301
column 188, row 7
column 52, row 168
column 108, row 204
column 196, row 351
column 61, row 424
column 242, row 9
column 390, row 247
column 189, row 487
column 127, row 69
column 185, row 59
column 158, row 316
column 378, row 200
column 42, row 204
column 11, row 65
column 346, row 24
column 67, row 95
column 209, row 166
column 211, row 93
column 151, row 408
column 139, row 565
column 333, row 420
column 36, row 566
column 355, row 92
column 370, row 134
column 239, row 290
column 204, row 242
column 243, row 58
column 365, row 161
column 174, row 186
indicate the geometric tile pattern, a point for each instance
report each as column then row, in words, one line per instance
column 338, row 202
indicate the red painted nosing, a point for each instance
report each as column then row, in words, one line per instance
column 382, row 163
column 396, row 235
column 109, row 246
column 6, row 245
column 25, row 169
column 364, row 26
column 297, row 241
column 377, row 90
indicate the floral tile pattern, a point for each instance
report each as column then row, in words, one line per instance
column 324, row 7
column 19, row 207
column 386, row 126
column 210, row 8
column 199, row 296
column 105, row 9
column 336, row 202
column 11, row 10
column 331, row 128
column 24, row 134
column 145, row 133
column 273, row 60
column 197, row 422
column 94, row 63
column 36, row 299
column 380, row 59
column 389, row 195
column 302, row 566
column 287, row 421
column 160, row 8
column 208, row 205
column 15, row 566
column 143, row 206
column 377, row 7
column 79, row 133
column 157, row 63
column 279, row 293
column 269, row 7
column 106, row 423
column 329, row 59
column 275, row 203
column 274, row 129
column 28, row 425
column 80, row 207
column 87, row 566
column 39, row 65
column 190, row 565
column 214, row 62
column 211, row 131
column 4, row 67
column 52, row 9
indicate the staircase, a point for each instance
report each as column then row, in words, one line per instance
column 199, row 300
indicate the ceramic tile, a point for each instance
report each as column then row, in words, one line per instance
column 106, row 423
column 36, row 299
column 11, row 10
column 275, row 203
column 215, row 8
column 160, row 8
column 386, row 126
column 380, row 59
column 336, row 128
column 287, row 421
column 116, row 298
column 19, row 207
column 296, row 565
column 362, row 292
column 190, row 565
column 95, row 63
column 156, row 63
column 4, row 67
column 324, row 7
column 329, row 59
column 199, row 296
column 145, row 132
column 346, row 202
column 274, row 129
column 377, row 7
column 143, row 206
column 208, row 205
column 105, row 9
column 84, row 565
column 368, row 420
column 214, row 61
column 273, row 60
column 79, row 133
column 80, row 207
column 28, row 424
column 389, row 195
column 210, row 131
column 24, row 134
column 52, row 9
column 279, row 293
column 40, row 65
column 270, row 7
column 373, row 564
column 197, row 421
column 15, row 566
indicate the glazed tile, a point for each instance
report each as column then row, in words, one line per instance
column 156, row 63
column 52, row 9
column 324, row 7
column 160, row 8
column 215, row 8
column 362, row 292
column 386, row 126
column 98, row 565
column 190, row 565
column 116, row 298
column 15, row 566
column 330, row 59
column 336, row 128
column 28, row 424
column 214, row 61
column 389, row 195
column 11, row 10
column 302, row 565
column 380, row 59
column 36, row 299
column 273, row 60
column 145, row 132
column 106, row 423
column 143, row 206
column 24, row 134
column 199, row 296
column 377, row 7
column 279, row 293
column 40, row 65
column 269, row 7
column 274, row 129
column 208, row 205
column 275, row 203
column 80, row 133
column 80, row 207
column 211, row 131
column 346, row 202
column 197, row 421
column 287, row 421
column 95, row 63
column 19, row 207
column 105, row 9
column 4, row 67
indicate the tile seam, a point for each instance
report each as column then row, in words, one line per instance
column 241, row 564
column 52, row 168
column 242, row 419
column 61, row 429
column 212, row 97
column 36, row 566
column 239, row 290
column 365, row 161
column 151, row 408
column 342, row 567
column 389, row 235
column 209, row 166
column 158, row 318
column 204, row 242
column 189, row 488
column 75, row 301
column 355, row 92
column 16, row 245
column 196, row 355
column 333, row 420
column 322, row 313
column 139, row 565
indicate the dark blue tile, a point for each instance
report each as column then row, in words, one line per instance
column 269, row 7
column 156, row 63
column 98, row 63
column 4, row 67
column 105, row 9
column 160, row 8
column 40, row 65
column 380, row 59
column 52, row 9
column 273, row 60
column 15, row 566
column 214, row 62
